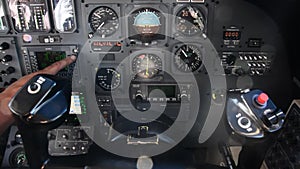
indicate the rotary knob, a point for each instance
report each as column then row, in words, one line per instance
column 4, row 46
column 184, row 97
column 10, row 70
column 6, row 58
column 230, row 60
column 140, row 103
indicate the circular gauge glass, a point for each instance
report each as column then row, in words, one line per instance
column 188, row 58
column 189, row 20
column 104, row 20
column 108, row 78
column 147, row 21
column 146, row 65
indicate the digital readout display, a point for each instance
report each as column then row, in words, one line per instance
column 168, row 90
column 45, row 59
column 106, row 46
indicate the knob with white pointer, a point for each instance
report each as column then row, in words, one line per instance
column 184, row 97
column 4, row 46
column 6, row 58
column 139, row 97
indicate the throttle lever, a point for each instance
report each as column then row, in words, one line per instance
column 252, row 114
column 39, row 106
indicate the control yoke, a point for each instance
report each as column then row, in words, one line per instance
column 39, row 106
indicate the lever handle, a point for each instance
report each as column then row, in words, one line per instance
column 39, row 106
column 253, row 113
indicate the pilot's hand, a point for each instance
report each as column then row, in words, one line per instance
column 6, row 118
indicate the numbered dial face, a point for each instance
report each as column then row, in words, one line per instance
column 189, row 21
column 146, row 65
column 104, row 20
column 188, row 58
column 108, row 78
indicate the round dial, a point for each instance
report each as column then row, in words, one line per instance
column 147, row 21
column 189, row 21
column 146, row 65
column 108, row 78
column 188, row 58
column 104, row 21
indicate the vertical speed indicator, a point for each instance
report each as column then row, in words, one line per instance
column 108, row 78
column 188, row 58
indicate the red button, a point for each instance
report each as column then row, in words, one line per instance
column 262, row 98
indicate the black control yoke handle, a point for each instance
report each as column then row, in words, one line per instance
column 40, row 105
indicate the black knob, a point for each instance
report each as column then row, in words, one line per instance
column 139, row 98
column 4, row 46
column 6, row 84
column 34, row 87
column 140, row 103
column 10, row 70
column 230, row 60
column 239, row 72
column 184, row 97
column 6, row 58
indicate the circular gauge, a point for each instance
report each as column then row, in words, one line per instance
column 188, row 58
column 147, row 21
column 108, row 78
column 189, row 20
column 146, row 65
column 104, row 21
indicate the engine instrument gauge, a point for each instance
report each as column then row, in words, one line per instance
column 188, row 58
column 189, row 21
column 104, row 21
column 147, row 21
column 146, row 65
column 108, row 78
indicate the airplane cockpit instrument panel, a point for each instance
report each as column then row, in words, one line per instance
column 152, row 75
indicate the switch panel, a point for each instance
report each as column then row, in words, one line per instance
column 9, row 62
